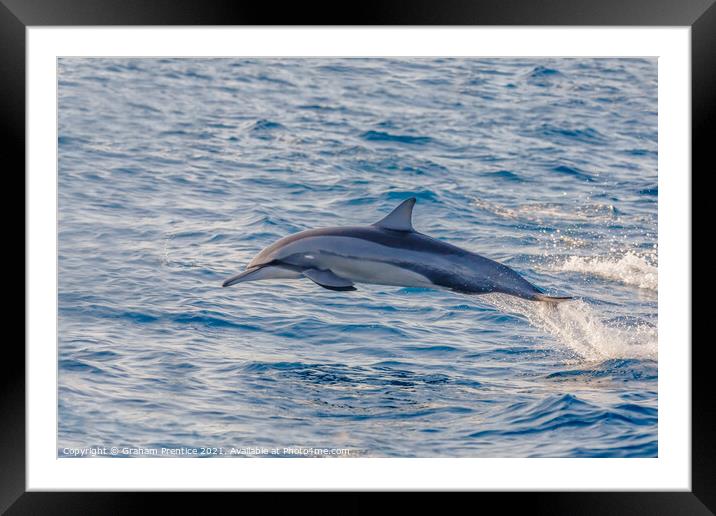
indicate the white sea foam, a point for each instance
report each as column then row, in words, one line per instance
column 629, row 269
column 577, row 326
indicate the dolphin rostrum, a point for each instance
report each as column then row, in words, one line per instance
column 389, row 252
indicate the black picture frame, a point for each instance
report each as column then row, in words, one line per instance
column 17, row 15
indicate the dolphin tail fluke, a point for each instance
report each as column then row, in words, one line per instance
column 551, row 299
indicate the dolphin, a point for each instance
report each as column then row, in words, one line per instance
column 389, row 252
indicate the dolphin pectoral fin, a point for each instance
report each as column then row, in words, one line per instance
column 328, row 279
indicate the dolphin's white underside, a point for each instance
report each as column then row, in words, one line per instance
column 354, row 270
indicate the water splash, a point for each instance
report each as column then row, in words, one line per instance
column 577, row 326
column 630, row 269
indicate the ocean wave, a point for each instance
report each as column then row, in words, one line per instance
column 542, row 212
column 543, row 71
column 567, row 413
column 620, row 369
column 507, row 175
column 381, row 136
column 564, row 133
column 574, row 172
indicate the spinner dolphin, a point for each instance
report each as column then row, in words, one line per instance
column 389, row 252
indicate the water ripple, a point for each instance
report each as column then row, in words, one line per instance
column 174, row 173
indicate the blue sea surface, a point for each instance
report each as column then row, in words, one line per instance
column 174, row 173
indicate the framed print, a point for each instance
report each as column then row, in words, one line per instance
column 445, row 248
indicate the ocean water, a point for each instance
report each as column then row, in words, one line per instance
column 174, row 173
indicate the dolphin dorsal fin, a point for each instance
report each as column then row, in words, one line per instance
column 400, row 219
